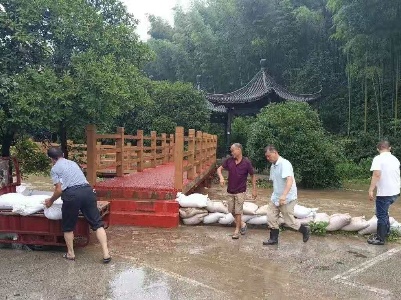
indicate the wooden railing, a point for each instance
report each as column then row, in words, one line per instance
column 119, row 153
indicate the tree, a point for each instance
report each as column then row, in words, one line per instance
column 295, row 129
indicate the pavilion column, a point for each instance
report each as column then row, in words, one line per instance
column 228, row 129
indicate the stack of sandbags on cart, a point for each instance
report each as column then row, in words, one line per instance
column 28, row 205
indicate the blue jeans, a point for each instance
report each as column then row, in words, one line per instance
column 382, row 205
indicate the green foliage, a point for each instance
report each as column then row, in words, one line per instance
column 351, row 170
column 295, row 129
column 31, row 158
column 394, row 235
column 318, row 228
column 240, row 130
column 173, row 104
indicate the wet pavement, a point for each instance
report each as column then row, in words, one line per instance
column 203, row 262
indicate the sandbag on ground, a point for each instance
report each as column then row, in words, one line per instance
column 259, row 220
column 321, row 217
column 213, row 218
column 193, row 200
column 227, row 219
column 250, row 208
column 356, row 224
column 338, row 221
column 188, row 212
column 194, row 220
column 217, row 206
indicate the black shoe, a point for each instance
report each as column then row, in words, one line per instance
column 273, row 237
column 305, row 230
column 380, row 237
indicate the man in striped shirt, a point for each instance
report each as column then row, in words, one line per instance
column 77, row 195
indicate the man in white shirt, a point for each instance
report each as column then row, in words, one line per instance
column 284, row 197
column 386, row 180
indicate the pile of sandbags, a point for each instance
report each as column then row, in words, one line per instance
column 28, row 205
column 199, row 209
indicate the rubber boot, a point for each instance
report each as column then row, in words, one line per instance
column 305, row 230
column 380, row 237
column 273, row 237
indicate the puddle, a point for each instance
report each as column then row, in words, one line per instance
column 140, row 283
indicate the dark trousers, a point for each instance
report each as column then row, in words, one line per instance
column 382, row 206
column 80, row 198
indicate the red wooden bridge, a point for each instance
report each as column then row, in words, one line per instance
column 141, row 175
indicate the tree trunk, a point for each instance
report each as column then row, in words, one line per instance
column 63, row 138
column 349, row 95
column 8, row 138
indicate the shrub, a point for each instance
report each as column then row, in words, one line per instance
column 31, row 158
column 295, row 129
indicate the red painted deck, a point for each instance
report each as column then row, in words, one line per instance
column 147, row 198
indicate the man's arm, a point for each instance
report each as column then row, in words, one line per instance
column 254, row 190
column 288, row 185
column 375, row 179
column 56, row 194
column 222, row 181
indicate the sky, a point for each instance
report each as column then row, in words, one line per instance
column 162, row 8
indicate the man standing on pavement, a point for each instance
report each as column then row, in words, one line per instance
column 284, row 197
column 70, row 183
column 386, row 178
column 238, row 168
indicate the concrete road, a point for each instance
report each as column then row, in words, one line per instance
column 205, row 263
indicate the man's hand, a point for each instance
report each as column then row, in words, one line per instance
column 222, row 181
column 48, row 202
column 282, row 200
column 254, row 194
column 371, row 195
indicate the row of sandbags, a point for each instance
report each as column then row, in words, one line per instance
column 28, row 205
column 197, row 208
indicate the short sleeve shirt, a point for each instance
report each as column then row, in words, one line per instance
column 278, row 174
column 389, row 167
column 237, row 174
column 68, row 173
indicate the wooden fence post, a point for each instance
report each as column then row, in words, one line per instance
column 178, row 158
column 153, row 161
column 165, row 151
column 120, row 152
column 91, row 154
column 171, row 148
column 199, row 155
column 139, row 146
column 98, row 155
column 191, row 157
column 128, row 155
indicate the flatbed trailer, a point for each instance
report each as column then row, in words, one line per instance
column 36, row 229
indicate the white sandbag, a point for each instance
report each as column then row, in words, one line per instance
column 193, row 200
column 262, row 210
column 54, row 211
column 396, row 227
column 372, row 228
column 217, row 206
column 259, row 220
column 250, row 208
column 301, row 212
column 281, row 220
column 356, row 224
column 212, row 218
column 8, row 200
column 246, row 218
column 189, row 212
column 30, row 205
column 194, row 220
column 392, row 220
column 321, row 217
column 338, row 221
column 21, row 188
column 227, row 219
